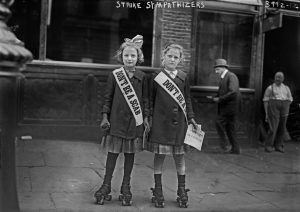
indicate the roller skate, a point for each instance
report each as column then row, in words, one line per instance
column 103, row 194
column 158, row 197
column 182, row 198
column 125, row 195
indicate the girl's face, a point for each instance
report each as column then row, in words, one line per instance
column 171, row 59
column 129, row 56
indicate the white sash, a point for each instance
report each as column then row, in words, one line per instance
column 129, row 95
column 171, row 88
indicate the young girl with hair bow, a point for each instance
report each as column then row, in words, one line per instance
column 125, row 116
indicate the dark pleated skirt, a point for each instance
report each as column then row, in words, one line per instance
column 116, row 144
column 167, row 149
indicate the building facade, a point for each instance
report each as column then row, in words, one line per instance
column 217, row 29
column 73, row 43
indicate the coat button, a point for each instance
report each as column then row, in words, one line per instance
column 175, row 122
column 175, row 109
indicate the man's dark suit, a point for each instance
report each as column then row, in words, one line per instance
column 229, row 98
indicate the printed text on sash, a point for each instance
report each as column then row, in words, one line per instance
column 128, row 91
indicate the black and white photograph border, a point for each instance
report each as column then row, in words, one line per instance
column 56, row 57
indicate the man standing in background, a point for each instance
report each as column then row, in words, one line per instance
column 277, row 100
column 228, row 103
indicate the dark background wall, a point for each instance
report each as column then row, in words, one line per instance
column 282, row 50
column 64, row 101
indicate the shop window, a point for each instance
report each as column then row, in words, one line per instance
column 92, row 31
column 25, row 23
column 80, row 30
column 223, row 35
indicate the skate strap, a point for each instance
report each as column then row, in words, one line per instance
column 172, row 89
column 129, row 94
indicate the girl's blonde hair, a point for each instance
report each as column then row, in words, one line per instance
column 136, row 43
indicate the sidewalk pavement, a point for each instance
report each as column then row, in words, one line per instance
column 56, row 175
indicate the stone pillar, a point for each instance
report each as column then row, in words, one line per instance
column 13, row 56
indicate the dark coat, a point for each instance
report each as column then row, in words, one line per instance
column 122, row 122
column 229, row 94
column 169, row 124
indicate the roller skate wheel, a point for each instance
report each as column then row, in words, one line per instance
column 108, row 197
column 100, row 201
column 124, row 203
column 183, row 205
column 161, row 205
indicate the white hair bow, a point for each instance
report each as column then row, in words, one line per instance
column 137, row 41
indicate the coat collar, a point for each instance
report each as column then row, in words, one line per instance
column 224, row 74
column 181, row 75
column 137, row 74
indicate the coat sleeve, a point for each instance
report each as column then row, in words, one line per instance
column 152, row 94
column 233, row 89
column 145, row 95
column 109, row 93
column 188, row 101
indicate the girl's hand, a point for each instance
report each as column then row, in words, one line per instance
column 105, row 125
column 146, row 124
column 193, row 122
column 216, row 99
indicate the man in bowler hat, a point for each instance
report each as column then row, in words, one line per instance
column 228, row 104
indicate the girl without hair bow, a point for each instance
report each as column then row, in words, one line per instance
column 137, row 41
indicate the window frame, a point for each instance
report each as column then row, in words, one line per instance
column 223, row 7
column 45, row 19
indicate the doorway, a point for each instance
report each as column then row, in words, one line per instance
column 282, row 53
